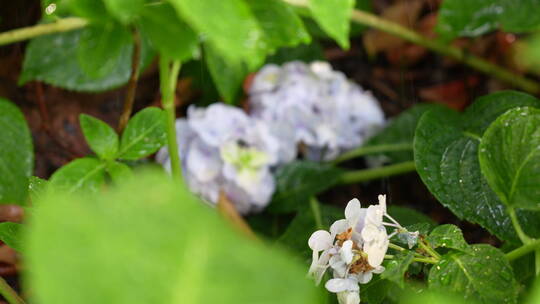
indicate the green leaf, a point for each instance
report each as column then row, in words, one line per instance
column 448, row 236
column 333, row 16
column 227, row 75
column 101, row 138
column 119, row 172
column 228, row 25
column 474, row 18
column 400, row 130
column 100, row 47
column 83, row 174
column 408, row 216
column 125, row 10
column 396, row 267
column 510, row 157
column 90, row 9
column 298, row 181
column 304, row 52
column 16, row 154
column 376, row 290
column 53, row 59
column 36, row 187
column 279, row 23
column 446, row 157
column 485, row 274
column 10, row 233
column 144, row 134
column 154, row 242
column 170, row 35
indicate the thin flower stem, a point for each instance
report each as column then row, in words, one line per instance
column 132, row 83
column 429, row 250
column 168, row 76
column 396, row 247
column 425, row 260
column 364, row 175
column 388, row 256
column 523, row 250
column 315, row 208
column 362, row 151
column 9, row 294
column 61, row 25
column 525, row 239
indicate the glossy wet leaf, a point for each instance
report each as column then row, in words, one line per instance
column 446, row 156
column 510, row 157
column 101, row 138
column 333, row 16
column 227, row 75
column 100, row 47
column 168, row 33
column 16, row 154
column 152, row 241
column 11, row 235
column 280, row 24
column 125, row 10
column 298, row 181
column 396, row 267
column 83, row 174
column 53, row 60
column 144, row 134
column 228, row 25
column 484, row 275
column 448, row 236
column 400, row 130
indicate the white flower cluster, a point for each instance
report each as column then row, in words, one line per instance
column 354, row 249
column 316, row 106
column 223, row 149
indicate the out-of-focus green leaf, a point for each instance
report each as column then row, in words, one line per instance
column 36, row 187
column 144, row 134
column 10, row 234
column 101, row 138
column 376, row 290
column 16, row 154
column 448, row 236
column 304, row 52
column 227, row 75
column 168, row 33
column 510, row 157
column 53, row 59
column 119, row 172
column 408, row 216
column 396, row 267
column 83, row 174
column 90, row 9
column 446, row 157
column 125, row 10
column 298, row 181
column 153, row 242
column 99, row 48
column 333, row 16
column 484, row 275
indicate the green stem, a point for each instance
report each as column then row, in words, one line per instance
column 361, row 151
column 61, row 25
column 429, row 250
column 168, row 76
column 425, row 260
column 537, row 261
column 353, row 177
column 396, row 247
column 9, row 294
column 523, row 250
column 525, row 239
column 315, row 208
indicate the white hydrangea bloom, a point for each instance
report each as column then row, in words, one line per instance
column 223, row 149
column 316, row 106
column 354, row 249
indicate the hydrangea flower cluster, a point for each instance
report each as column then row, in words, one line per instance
column 354, row 249
column 316, row 106
column 223, row 149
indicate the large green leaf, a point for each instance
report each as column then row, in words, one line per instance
column 474, row 18
column 298, row 181
column 227, row 75
column 168, row 33
column 484, row 274
column 446, row 157
column 400, row 130
column 16, row 154
column 279, row 23
column 101, row 138
column 510, row 157
column 53, row 59
column 125, row 10
column 90, row 9
column 152, row 241
column 83, row 174
column 144, row 134
column 396, row 267
column 99, row 48
column 333, row 16
column 448, row 236
column 228, row 25
column 10, row 234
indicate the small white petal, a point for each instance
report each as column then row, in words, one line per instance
column 379, row 269
column 364, row 277
column 376, row 252
column 338, row 265
column 349, row 297
column 353, row 212
column 320, row 240
column 374, row 215
column 382, row 202
column 340, row 285
column 338, row 227
column 346, row 252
